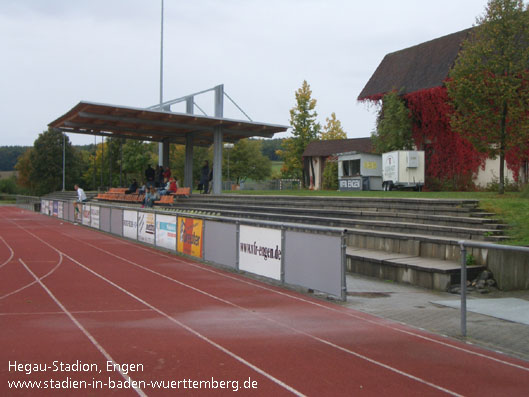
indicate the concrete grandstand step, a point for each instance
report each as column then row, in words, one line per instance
column 348, row 214
column 473, row 233
column 424, row 272
column 431, row 206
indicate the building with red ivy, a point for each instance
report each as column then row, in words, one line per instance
column 418, row 74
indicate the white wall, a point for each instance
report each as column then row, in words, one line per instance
column 491, row 173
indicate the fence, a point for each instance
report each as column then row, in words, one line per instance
column 310, row 257
column 489, row 246
column 31, row 203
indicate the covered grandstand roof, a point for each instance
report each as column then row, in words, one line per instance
column 156, row 125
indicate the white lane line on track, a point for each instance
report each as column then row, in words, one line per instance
column 10, row 250
column 81, row 328
column 328, row 343
column 316, row 338
column 34, row 282
column 75, row 312
column 317, row 304
column 310, row 302
column 162, row 313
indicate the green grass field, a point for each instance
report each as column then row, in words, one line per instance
column 510, row 208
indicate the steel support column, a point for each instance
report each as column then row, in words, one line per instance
column 188, row 167
column 217, row 160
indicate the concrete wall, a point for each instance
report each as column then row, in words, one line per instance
column 510, row 269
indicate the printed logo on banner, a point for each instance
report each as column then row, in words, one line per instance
column 86, row 215
column 55, row 208
column 130, row 224
column 94, row 216
column 146, row 227
column 260, row 251
column 190, row 236
column 61, row 209
column 166, row 231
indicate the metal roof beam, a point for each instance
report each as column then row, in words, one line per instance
column 167, row 124
column 133, row 120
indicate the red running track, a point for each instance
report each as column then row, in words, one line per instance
column 76, row 303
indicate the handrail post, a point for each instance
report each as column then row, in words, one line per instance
column 463, row 288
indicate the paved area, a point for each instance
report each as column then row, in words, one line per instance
column 416, row 307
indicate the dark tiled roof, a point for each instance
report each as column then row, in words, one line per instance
column 334, row 146
column 416, row 68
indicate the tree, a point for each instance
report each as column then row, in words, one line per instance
column 394, row 125
column 9, row 156
column 246, row 161
column 41, row 169
column 177, row 162
column 330, row 175
column 489, row 83
column 305, row 129
column 333, row 129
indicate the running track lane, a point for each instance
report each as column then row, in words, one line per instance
column 112, row 300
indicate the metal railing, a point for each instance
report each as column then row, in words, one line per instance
column 473, row 244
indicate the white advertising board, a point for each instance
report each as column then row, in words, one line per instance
column 130, row 224
column 260, row 251
column 42, row 206
column 94, row 216
column 166, row 231
column 86, row 214
column 146, row 227
column 61, row 209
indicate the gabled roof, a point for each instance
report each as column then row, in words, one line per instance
column 334, row 146
column 416, row 68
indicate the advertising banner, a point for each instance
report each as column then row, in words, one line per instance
column 61, row 209
column 190, row 236
column 260, row 251
column 166, row 231
column 146, row 227
column 42, row 206
column 130, row 224
column 47, row 207
column 55, row 208
column 94, row 216
column 86, row 214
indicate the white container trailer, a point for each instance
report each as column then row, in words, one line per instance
column 403, row 169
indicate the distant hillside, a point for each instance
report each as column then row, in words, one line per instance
column 9, row 156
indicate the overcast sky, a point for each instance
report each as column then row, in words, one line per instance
column 56, row 53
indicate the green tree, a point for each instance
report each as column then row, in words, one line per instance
column 333, row 129
column 394, row 125
column 177, row 162
column 9, row 156
column 42, row 168
column 269, row 147
column 246, row 161
column 305, row 129
column 489, row 83
column 330, row 175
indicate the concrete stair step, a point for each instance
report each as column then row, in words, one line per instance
column 400, row 227
column 424, row 272
column 347, row 214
